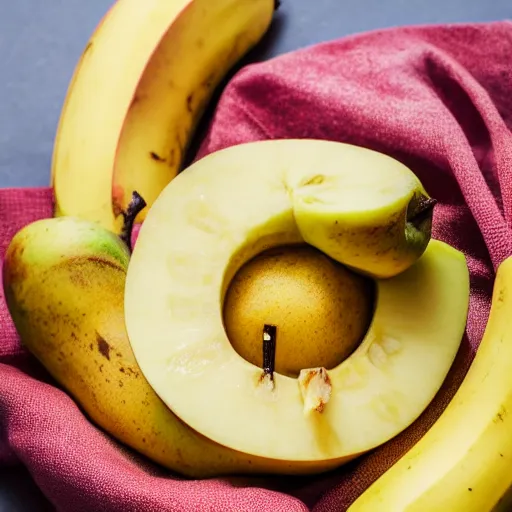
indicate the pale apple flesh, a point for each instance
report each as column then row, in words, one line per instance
column 229, row 207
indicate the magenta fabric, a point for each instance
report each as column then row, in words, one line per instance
column 435, row 97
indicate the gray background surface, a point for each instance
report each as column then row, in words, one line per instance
column 41, row 40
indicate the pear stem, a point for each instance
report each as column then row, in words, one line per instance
column 424, row 209
column 269, row 350
column 137, row 204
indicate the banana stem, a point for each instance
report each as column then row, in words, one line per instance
column 269, row 350
column 137, row 204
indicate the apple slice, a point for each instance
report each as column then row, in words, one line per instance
column 238, row 202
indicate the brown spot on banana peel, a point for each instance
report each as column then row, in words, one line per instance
column 190, row 99
column 103, row 346
column 156, row 157
column 500, row 415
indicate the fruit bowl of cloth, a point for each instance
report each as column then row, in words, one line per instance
column 311, row 314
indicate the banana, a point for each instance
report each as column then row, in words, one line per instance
column 464, row 462
column 137, row 95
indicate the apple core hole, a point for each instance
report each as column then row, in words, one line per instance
column 321, row 309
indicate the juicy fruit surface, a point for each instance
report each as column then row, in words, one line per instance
column 227, row 208
column 322, row 310
column 67, row 301
column 146, row 63
column 464, row 462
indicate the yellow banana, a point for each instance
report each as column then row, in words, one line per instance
column 136, row 97
column 464, row 462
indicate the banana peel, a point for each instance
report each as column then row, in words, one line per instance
column 136, row 97
column 464, row 462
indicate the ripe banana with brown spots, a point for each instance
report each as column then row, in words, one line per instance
column 137, row 95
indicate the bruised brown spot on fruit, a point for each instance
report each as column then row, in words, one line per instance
column 103, row 346
column 156, row 157
column 500, row 415
column 121, row 384
column 129, row 371
column 190, row 99
column 101, row 368
column 91, row 346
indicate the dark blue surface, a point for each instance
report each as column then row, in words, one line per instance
column 41, row 40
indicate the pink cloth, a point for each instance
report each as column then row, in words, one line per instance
column 435, row 97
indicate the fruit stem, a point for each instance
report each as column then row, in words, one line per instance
column 269, row 350
column 423, row 210
column 137, row 204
